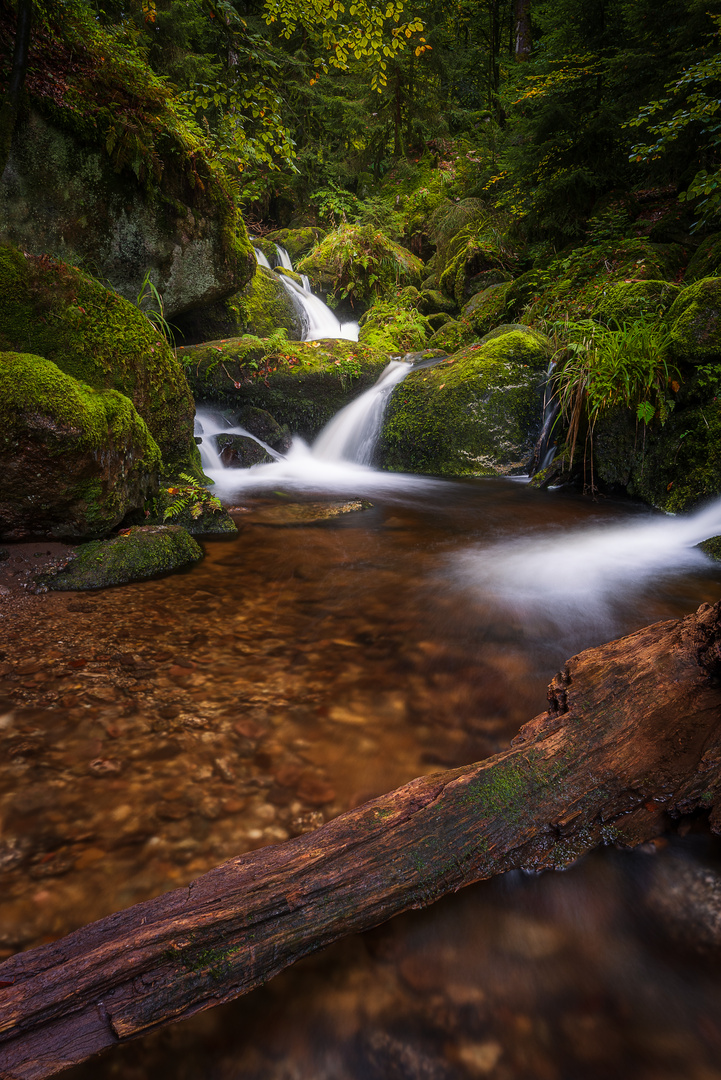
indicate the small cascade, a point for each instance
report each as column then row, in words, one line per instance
column 353, row 432
column 545, row 448
column 322, row 323
column 207, row 425
column 261, row 259
column 283, row 257
column 305, row 281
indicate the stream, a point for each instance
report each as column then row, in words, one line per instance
column 149, row 732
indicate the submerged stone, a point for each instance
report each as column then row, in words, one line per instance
column 305, row 513
column 142, row 552
column 476, row 413
column 73, row 460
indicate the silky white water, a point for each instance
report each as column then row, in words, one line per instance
column 261, row 259
column 583, row 579
column 353, row 432
column 322, row 323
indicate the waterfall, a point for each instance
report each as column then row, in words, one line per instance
column 322, row 323
column 545, row 449
column 284, row 257
column 208, row 424
column 261, row 259
column 353, row 432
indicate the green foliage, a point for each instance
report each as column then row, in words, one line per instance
column 394, row 326
column 150, row 302
column 359, row 263
column 190, row 497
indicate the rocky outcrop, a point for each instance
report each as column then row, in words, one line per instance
column 140, row 553
column 61, row 196
column 73, row 460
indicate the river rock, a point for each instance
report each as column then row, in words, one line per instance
column 240, row 451
column 261, row 424
column 62, row 196
column 361, row 261
column 58, row 312
column 301, row 384
column 73, row 460
column 139, row 553
column 476, row 413
column 306, row 513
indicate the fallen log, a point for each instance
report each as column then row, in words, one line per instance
column 632, row 734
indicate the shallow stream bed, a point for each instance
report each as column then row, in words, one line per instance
column 147, row 733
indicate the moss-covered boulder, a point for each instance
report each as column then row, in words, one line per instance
column 301, row 384
column 695, row 322
column 621, row 301
column 263, row 306
column 712, row 547
column 705, row 261
column 433, row 302
column 62, row 195
column 142, row 552
column 73, row 460
column 56, row 311
column 451, row 336
column 260, row 423
column 487, row 309
column 395, row 328
column 472, row 252
column 297, row 242
column 477, row 413
column 360, row 263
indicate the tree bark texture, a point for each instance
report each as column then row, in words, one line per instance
column 632, row 734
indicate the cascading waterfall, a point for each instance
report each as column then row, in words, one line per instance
column 318, row 319
column 353, row 432
column 545, row 448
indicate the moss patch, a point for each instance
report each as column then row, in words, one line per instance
column 54, row 310
column 360, row 263
column 626, row 300
column 706, row 260
column 297, row 242
column 73, row 460
column 476, row 413
column 142, row 552
column 695, row 321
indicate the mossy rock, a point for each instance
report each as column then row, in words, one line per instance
column 695, row 322
column 73, row 460
column 395, row 329
column 301, row 384
column 624, row 300
column 56, row 311
column 712, row 547
column 297, row 242
column 261, row 308
column 477, row 413
column 260, row 423
column 199, row 519
column 675, row 467
column 433, row 302
column 143, row 552
column 706, row 260
column 487, row 309
column 452, row 335
column 361, row 263
column 268, row 248
column 438, row 320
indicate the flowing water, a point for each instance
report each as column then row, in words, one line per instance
column 308, row 664
column 318, row 319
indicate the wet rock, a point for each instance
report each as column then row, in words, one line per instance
column 261, row 424
column 142, row 552
column 306, row 513
column 240, row 451
column 390, row 1058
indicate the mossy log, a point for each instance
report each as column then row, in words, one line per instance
column 632, row 735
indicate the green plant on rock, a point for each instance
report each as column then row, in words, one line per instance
column 190, row 497
column 150, row 302
column 601, row 367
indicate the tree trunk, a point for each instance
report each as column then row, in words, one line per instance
column 523, row 40
column 632, row 734
column 11, row 102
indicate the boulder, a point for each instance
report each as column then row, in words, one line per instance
column 360, row 263
column 706, row 260
column 263, row 306
column 240, row 451
column 58, row 312
column 261, row 424
column 60, row 195
column 694, row 319
column 301, row 384
column 487, row 309
column 140, row 553
column 621, row 301
column 73, row 460
column 297, row 242
column 476, row 413
column 394, row 328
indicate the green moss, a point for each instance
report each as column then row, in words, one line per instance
column 264, row 306
column 476, row 413
column 624, row 300
column 143, row 552
column 395, row 327
column 302, row 384
column 54, row 310
column 452, row 335
column 297, row 242
column 695, row 321
column 712, row 547
column 360, row 263
column 433, row 302
column 487, row 309
column 74, row 460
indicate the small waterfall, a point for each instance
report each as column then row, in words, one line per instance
column 305, row 281
column 284, row 257
column 545, row 448
column 322, row 323
column 208, row 424
column 261, row 259
column 353, row 432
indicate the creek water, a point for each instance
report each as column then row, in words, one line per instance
column 309, row 664
column 318, row 320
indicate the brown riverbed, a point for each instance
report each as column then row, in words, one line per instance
column 150, row 732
